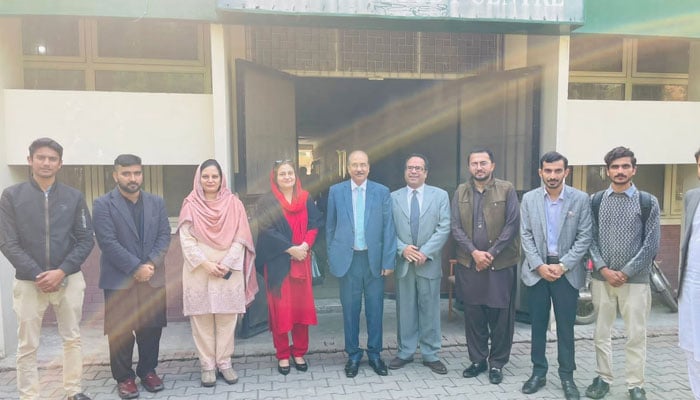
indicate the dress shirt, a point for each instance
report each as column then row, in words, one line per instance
column 419, row 194
column 553, row 215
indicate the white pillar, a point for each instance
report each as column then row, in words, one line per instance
column 221, row 100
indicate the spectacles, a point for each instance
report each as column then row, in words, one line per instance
column 279, row 162
column 416, row 168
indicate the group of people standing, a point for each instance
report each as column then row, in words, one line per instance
column 46, row 233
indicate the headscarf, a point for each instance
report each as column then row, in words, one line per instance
column 219, row 223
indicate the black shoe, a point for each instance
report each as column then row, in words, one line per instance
column 436, row 366
column 78, row 396
column 598, row 389
column 303, row 367
column 351, row 368
column 495, row 376
column 474, row 369
column 534, row 384
column 379, row 367
column 570, row 389
column 638, row 394
column 399, row 362
column 283, row 370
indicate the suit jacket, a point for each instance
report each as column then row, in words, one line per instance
column 690, row 206
column 575, row 234
column 433, row 230
column 119, row 240
column 379, row 228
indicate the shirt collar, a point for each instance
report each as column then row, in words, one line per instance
column 354, row 186
column 629, row 192
column 562, row 195
column 420, row 189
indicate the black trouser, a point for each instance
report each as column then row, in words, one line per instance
column 565, row 299
column 121, row 349
column 482, row 323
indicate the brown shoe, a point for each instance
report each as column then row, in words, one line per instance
column 436, row 366
column 152, row 382
column 127, row 389
column 398, row 362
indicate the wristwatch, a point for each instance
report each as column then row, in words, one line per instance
column 563, row 267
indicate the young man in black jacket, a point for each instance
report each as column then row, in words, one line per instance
column 46, row 234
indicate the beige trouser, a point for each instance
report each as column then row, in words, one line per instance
column 213, row 336
column 634, row 301
column 30, row 304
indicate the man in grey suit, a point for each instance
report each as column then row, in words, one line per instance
column 689, row 288
column 555, row 233
column 422, row 221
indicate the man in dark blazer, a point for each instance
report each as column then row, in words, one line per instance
column 555, row 233
column 361, row 252
column 422, row 220
column 134, row 235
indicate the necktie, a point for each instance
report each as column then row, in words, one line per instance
column 415, row 214
column 360, row 220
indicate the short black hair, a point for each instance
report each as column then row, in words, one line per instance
column 127, row 160
column 46, row 142
column 697, row 155
column 209, row 163
column 421, row 156
column 476, row 150
column 553, row 156
column 619, row 152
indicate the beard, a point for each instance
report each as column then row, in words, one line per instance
column 130, row 187
column 484, row 178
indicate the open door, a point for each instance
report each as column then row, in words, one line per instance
column 266, row 124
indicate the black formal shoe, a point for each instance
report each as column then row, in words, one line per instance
column 638, row 394
column 78, row 396
column 399, row 362
column 283, row 370
column 303, row 367
column 570, row 389
column 534, row 384
column 474, row 369
column 598, row 389
column 379, row 367
column 436, row 366
column 495, row 376
column 351, row 368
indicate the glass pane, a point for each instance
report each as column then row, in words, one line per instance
column 649, row 178
column 54, row 79
column 660, row 92
column 670, row 56
column 72, row 175
column 596, row 53
column 51, row 36
column 596, row 91
column 177, row 184
column 148, row 39
column 154, row 82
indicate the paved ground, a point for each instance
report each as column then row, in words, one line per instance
column 255, row 363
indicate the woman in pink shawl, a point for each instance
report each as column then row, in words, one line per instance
column 218, row 278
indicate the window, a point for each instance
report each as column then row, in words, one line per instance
column 597, row 53
column 51, row 37
column 177, row 184
column 596, row 91
column 164, row 40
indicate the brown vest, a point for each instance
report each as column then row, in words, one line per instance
column 494, row 208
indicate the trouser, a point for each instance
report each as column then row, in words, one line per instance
column 418, row 316
column 693, row 374
column 634, row 301
column 213, row 336
column 565, row 299
column 121, row 350
column 483, row 323
column 30, row 304
column 300, row 342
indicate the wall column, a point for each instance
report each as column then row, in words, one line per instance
column 221, row 100
column 694, row 72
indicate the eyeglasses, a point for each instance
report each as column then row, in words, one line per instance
column 279, row 162
column 416, row 168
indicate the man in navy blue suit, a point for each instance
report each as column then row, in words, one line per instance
column 361, row 251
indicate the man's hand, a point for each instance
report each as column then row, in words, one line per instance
column 50, row 281
column 614, row 278
column 298, row 253
column 144, row 272
column 550, row 272
column 483, row 259
column 412, row 254
column 387, row 272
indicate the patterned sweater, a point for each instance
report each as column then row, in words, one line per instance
column 618, row 240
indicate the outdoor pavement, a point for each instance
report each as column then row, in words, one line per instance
column 258, row 377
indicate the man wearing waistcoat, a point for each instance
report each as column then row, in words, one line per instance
column 485, row 223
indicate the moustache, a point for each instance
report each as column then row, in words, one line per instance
column 620, row 176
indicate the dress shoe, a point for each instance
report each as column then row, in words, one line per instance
column 284, row 370
column 495, row 376
column 598, row 389
column 379, row 367
column 208, row 378
column 474, row 369
column 79, row 396
column 127, row 389
column 229, row 375
column 399, row 362
column 351, row 368
column 638, row 394
column 436, row 366
column 301, row 366
column 570, row 389
column 534, row 384
column 152, row 383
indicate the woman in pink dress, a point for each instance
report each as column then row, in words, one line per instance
column 218, row 278
column 288, row 221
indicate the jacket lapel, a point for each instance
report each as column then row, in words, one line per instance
column 428, row 200
column 403, row 204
